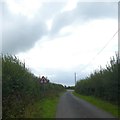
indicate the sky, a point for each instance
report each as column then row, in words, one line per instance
column 58, row 38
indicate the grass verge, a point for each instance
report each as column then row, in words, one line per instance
column 108, row 107
column 33, row 110
column 45, row 108
column 49, row 107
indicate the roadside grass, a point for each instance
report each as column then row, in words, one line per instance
column 33, row 110
column 49, row 107
column 45, row 108
column 106, row 106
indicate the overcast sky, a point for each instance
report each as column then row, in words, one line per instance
column 58, row 38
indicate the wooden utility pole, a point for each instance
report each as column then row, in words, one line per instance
column 75, row 78
column 24, row 63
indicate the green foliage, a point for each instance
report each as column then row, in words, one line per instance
column 21, row 88
column 70, row 87
column 108, row 107
column 45, row 108
column 49, row 107
column 102, row 83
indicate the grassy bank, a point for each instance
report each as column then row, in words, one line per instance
column 45, row 108
column 108, row 107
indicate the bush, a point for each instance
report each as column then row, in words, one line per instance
column 102, row 83
column 21, row 88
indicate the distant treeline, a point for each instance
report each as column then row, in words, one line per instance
column 70, row 87
column 103, row 83
column 20, row 88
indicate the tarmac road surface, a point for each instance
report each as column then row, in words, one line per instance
column 71, row 106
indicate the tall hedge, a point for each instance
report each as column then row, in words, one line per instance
column 103, row 83
column 20, row 87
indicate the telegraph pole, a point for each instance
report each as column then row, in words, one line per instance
column 24, row 63
column 75, row 78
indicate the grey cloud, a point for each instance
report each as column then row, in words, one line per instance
column 19, row 33
column 61, row 20
column 93, row 10
column 50, row 9
column 119, row 14
column 0, row 27
column 84, row 12
column 65, row 77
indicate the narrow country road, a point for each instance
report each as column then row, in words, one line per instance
column 71, row 106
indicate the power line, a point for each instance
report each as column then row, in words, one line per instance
column 101, row 49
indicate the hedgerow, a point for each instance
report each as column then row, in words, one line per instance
column 103, row 83
column 20, row 88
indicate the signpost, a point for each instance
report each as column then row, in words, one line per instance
column 43, row 81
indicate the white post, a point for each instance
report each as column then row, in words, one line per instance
column 75, row 78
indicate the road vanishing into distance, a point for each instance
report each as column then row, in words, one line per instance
column 71, row 106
